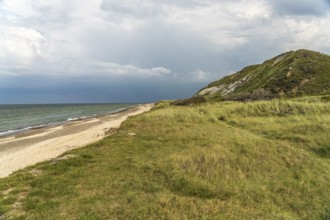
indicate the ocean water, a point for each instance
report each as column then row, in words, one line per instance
column 15, row 118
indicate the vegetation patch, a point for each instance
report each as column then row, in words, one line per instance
column 293, row 74
column 190, row 101
column 228, row 160
column 323, row 151
column 184, row 187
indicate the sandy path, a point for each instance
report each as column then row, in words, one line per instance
column 17, row 152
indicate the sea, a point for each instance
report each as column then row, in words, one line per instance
column 18, row 118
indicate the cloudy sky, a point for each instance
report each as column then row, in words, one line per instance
column 62, row 51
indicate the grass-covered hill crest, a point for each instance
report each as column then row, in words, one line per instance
column 295, row 73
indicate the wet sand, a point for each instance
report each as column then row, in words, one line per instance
column 36, row 145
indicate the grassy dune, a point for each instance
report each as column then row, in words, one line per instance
column 296, row 73
column 257, row 160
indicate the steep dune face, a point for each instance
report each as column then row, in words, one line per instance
column 294, row 73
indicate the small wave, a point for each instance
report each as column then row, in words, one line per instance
column 72, row 119
column 19, row 130
column 62, row 121
column 78, row 118
column 10, row 132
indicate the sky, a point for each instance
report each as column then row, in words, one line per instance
column 73, row 51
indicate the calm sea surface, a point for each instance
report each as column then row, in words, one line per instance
column 15, row 118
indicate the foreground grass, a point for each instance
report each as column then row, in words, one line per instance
column 259, row 160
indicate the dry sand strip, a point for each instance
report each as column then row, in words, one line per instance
column 20, row 151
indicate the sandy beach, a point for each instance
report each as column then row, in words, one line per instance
column 37, row 145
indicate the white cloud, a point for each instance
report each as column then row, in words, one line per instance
column 224, row 23
column 21, row 45
column 132, row 8
column 17, row 9
column 130, row 70
column 201, row 76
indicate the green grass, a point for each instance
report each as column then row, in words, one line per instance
column 293, row 74
column 229, row 160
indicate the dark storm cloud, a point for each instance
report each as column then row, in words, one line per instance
column 301, row 7
column 34, row 89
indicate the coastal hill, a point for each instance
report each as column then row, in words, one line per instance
column 291, row 74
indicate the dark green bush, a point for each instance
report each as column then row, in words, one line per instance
column 190, row 101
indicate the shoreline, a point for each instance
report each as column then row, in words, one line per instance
column 32, row 146
column 17, row 131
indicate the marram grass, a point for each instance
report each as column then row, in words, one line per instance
column 257, row 160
